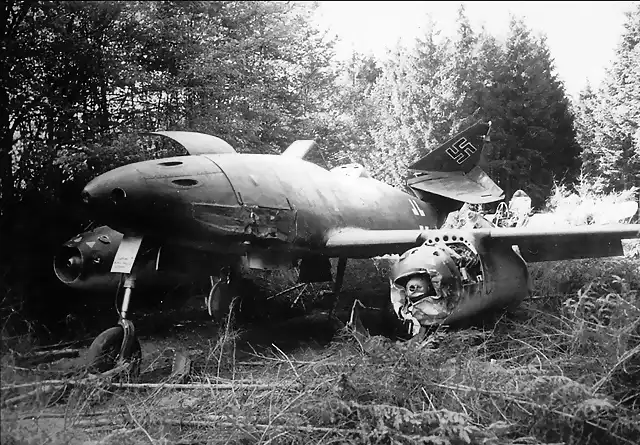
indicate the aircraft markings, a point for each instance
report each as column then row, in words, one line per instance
column 415, row 208
column 461, row 150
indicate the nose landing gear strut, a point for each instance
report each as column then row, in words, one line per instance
column 117, row 345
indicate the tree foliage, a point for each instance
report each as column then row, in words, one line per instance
column 609, row 118
column 426, row 94
column 76, row 75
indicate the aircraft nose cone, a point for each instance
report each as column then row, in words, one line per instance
column 111, row 197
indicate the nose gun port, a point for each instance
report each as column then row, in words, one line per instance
column 118, row 195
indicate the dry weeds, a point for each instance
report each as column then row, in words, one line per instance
column 564, row 368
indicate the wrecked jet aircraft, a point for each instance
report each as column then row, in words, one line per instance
column 230, row 211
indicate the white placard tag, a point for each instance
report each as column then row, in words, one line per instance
column 126, row 254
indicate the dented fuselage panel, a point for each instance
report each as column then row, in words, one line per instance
column 236, row 203
column 452, row 277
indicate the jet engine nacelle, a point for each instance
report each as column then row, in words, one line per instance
column 84, row 262
column 451, row 278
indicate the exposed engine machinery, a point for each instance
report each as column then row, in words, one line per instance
column 442, row 280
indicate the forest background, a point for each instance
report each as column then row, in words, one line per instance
column 80, row 79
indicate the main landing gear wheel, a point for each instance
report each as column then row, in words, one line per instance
column 221, row 295
column 218, row 300
column 105, row 349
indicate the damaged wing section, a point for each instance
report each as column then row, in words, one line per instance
column 563, row 243
column 196, row 143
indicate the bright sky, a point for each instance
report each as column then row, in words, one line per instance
column 582, row 36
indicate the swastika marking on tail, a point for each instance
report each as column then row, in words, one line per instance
column 461, row 150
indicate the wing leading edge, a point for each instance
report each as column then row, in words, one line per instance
column 534, row 245
column 563, row 243
column 363, row 243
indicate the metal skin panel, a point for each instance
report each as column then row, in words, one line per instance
column 358, row 243
column 324, row 200
column 160, row 197
column 281, row 203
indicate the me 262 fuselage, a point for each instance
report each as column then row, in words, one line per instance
column 234, row 204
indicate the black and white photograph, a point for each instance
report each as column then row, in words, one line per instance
column 327, row 222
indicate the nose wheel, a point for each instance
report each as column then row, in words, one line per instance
column 117, row 345
column 104, row 353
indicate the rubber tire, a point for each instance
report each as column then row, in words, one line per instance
column 104, row 350
column 220, row 311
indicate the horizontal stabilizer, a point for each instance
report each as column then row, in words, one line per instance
column 476, row 187
column 196, row 143
column 299, row 148
column 451, row 170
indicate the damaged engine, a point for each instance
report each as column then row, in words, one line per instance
column 429, row 282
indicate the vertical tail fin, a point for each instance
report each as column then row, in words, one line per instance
column 451, row 170
column 460, row 153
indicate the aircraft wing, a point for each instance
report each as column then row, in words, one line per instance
column 196, row 143
column 534, row 244
column 565, row 243
column 363, row 243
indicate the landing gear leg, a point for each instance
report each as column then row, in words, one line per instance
column 118, row 345
column 337, row 285
column 220, row 296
